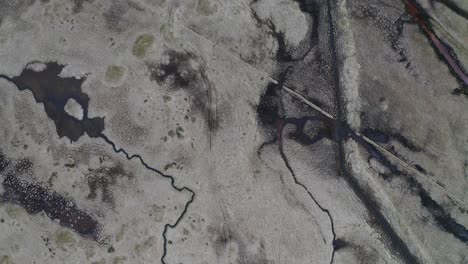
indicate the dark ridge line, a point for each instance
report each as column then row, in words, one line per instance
column 452, row 6
column 401, row 249
column 378, row 135
column 395, row 240
column 180, row 189
column 296, row 181
column 442, row 218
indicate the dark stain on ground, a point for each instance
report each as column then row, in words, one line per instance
column 78, row 5
column 176, row 71
column 249, row 252
column 35, row 198
column 376, row 135
column 270, row 109
column 4, row 162
column 385, row 137
column 365, row 254
column 102, row 179
column 114, row 16
column 339, row 244
column 307, row 129
column 183, row 70
column 462, row 90
column 14, row 9
column 54, row 92
column 441, row 217
column 393, row 28
column 420, row 169
column 286, row 53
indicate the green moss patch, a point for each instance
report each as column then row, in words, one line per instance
column 114, row 73
column 6, row 260
column 206, row 7
column 119, row 260
column 142, row 44
column 14, row 211
column 64, row 239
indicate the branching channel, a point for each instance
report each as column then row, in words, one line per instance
column 180, row 189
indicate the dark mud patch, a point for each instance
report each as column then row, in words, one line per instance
column 183, row 70
column 385, row 138
column 250, row 251
column 364, row 255
column 274, row 113
column 14, row 9
column 114, row 16
column 442, row 218
column 310, row 129
column 35, row 198
column 119, row 17
column 270, row 109
column 339, row 244
column 78, row 5
column 390, row 24
column 286, row 53
column 101, row 181
column 420, row 169
column 54, row 92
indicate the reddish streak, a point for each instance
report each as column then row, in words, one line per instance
column 414, row 11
